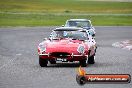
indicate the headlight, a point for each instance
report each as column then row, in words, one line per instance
column 81, row 49
column 42, row 47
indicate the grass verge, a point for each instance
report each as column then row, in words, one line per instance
column 54, row 20
column 10, row 12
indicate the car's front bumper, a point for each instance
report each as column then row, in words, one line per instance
column 71, row 57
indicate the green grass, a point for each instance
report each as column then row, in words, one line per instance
column 50, row 19
column 65, row 5
column 45, row 11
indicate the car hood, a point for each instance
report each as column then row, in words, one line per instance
column 64, row 45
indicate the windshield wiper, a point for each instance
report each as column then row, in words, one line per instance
column 74, row 39
column 77, row 39
column 57, row 38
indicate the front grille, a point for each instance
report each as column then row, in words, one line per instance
column 59, row 54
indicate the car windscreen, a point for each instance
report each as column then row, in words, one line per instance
column 78, row 24
column 77, row 35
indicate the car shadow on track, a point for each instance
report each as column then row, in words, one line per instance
column 75, row 65
column 65, row 65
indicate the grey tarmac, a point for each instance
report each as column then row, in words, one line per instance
column 19, row 66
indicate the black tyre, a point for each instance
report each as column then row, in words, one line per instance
column 83, row 63
column 43, row 62
column 52, row 62
column 91, row 60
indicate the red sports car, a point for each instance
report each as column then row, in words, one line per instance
column 67, row 44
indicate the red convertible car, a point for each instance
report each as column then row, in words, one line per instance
column 67, row 44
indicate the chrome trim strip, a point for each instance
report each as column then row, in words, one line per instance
column 48, row 54
column 72, row 55
column 66, row 55
column 44, row 54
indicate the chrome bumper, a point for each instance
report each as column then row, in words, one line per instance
column 72, row 55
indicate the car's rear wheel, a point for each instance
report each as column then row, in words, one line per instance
column 52, row 61
column 91, row 60
column 43, row 62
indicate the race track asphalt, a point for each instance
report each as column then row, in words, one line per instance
column 19, row 66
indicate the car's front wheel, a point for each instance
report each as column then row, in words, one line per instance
column 43, row 62
column 91, row 60
column 83, row 62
